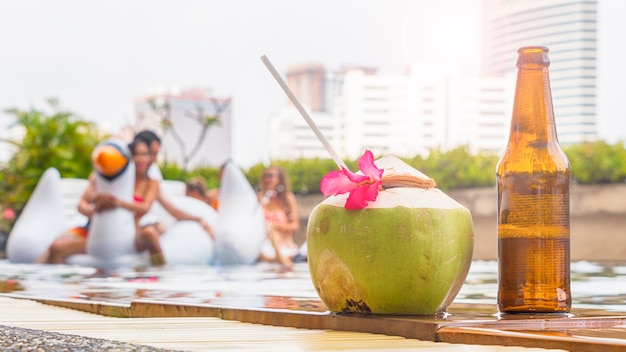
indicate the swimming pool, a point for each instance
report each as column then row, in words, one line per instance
column 595, row 286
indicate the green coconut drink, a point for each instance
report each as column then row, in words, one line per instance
column 408, row 252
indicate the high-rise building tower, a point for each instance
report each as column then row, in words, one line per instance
column 569, row 29
column 308, row 83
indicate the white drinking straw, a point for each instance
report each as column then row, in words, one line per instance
column 303, row 112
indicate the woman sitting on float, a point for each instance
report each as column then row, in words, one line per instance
column 146, row 191
column 281, row 217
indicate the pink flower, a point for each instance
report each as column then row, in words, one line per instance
column 362, row 188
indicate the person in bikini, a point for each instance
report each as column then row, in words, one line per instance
column 154, row 143
column 146, row 191
column 74, row 241
column 281, row 217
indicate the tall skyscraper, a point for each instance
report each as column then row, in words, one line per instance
column 289, row 135
column 177, row 117
column 308, row 82
column 569, row 29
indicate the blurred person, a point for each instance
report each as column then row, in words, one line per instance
column 148, row 228
column 281, row 217
column 155, row 149
column 154, row 173
column 196, row 188
column 147, row 190
column 74, row 241
column 213, row 195
column 213, row 198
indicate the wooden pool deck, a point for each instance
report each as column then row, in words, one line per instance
column 196, row 327
column 259, row 308
column 210, row 333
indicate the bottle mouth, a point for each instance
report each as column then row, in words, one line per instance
column 533, row 57
column 532, row 49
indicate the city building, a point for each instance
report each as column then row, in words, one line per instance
column 289, row 135
column 432, row 106
column 480, row 113
column 381, row 113
column 569, row 29
column 308, row 83
column 404, row 115
column 178, row 117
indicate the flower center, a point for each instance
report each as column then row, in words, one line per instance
column 369, row 181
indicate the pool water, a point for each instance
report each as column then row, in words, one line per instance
column 594, row 286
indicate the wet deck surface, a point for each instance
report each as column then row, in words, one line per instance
column 263, row 294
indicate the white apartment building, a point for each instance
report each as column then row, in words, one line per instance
column 184, row 132
column 480, row 112
column 402, row 115
column 375, row 112
column 432, row 107
column 292, row 138
column 569, row 29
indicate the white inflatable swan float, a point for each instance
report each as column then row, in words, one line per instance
column 239, row 226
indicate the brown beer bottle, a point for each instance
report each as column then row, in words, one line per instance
column 533, row 177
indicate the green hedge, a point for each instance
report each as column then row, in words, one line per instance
column 597, row 162
column 57, row 137
column 53, row 137
column 592, row 163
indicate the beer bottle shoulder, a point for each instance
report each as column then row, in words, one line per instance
column 528, row 159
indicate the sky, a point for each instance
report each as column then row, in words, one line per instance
column 95, row 57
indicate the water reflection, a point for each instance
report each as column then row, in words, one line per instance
column 594, row 286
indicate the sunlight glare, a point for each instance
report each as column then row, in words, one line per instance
column 441, row 35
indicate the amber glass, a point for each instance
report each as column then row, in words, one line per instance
column 533, row 177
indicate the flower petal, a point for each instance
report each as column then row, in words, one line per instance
column 336, row 182
column 356, row 178
column 367, row 166
column 361, row 196
column 363, row 187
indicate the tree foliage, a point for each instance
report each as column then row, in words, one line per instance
column 304, row 174
column 457, row 168
column 63, row 140
column 597, row 162
column 57, row 139
column 592, row 163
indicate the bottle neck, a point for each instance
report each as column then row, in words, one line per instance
column 533, row 115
